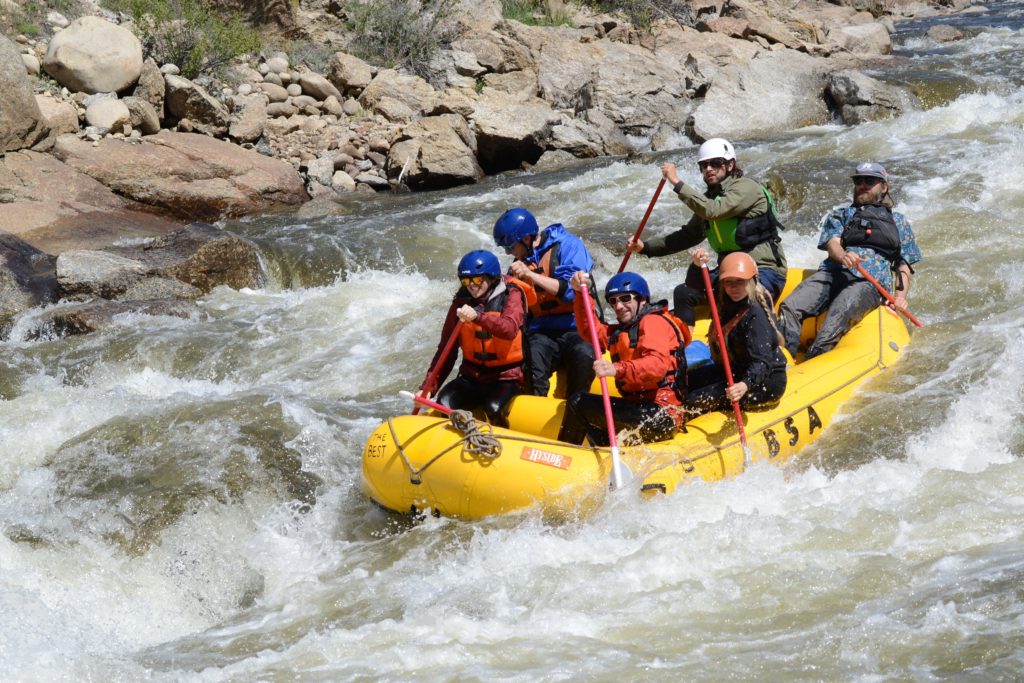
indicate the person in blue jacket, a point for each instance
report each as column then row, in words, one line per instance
column 547, row 259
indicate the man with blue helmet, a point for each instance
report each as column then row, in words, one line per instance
column 492, row 309
column 648, row 363
column 546, row 259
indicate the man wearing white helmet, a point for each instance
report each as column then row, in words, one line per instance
column 733, row 214
column 868, row 233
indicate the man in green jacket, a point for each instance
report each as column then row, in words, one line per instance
column 733, row 214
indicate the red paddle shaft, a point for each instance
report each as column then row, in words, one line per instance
column 888, row 297
column 643, row 223
column 606, row 398
column 428, row 383
column 725, row 351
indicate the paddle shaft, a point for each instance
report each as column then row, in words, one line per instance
column 887, row 296
column 643, row 223
column 606, row 398
column 426, row 402
column 725, row 351
column 428, row 383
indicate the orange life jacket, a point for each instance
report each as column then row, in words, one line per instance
column 545, row 303
column 622, row 343
column 480, row 347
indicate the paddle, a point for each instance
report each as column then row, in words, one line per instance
column 888, row 297
column 428, row 383
column 725, row 358
column 616, row 463
column 425, row 401
column 640, row 229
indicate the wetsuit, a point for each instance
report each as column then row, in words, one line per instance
column 754, row 357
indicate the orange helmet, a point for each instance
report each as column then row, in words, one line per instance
column 738, row 265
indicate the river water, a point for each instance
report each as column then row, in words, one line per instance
column 180, row 499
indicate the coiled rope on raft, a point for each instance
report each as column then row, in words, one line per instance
column 473, row 441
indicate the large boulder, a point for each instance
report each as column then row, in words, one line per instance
column 54, row 208
column 201, row 256
column 26, row 278
column 109, row 115
column 186, row 100
column 390, row 86
column 318, row 87
column 248, row 118
column 862, row 39
column 774, row 93
column 510, row 130
column 857, row 97
column 188, row 175
column 62, row 117
column 151, row 86
column 349, row 74
column 143, row 116
column 590, row 135
column 436, row 152
column 21, row 123
column 83, row 274
column 93, row 55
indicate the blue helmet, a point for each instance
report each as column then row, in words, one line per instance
column 627, row 282
column 514, row 225
column 479, row 262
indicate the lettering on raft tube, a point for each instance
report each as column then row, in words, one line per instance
column 538, row 456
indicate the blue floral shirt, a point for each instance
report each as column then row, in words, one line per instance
column 876, row 264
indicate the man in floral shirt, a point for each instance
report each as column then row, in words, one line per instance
column 868, row 233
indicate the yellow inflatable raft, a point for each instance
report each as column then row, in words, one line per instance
column 467, row 469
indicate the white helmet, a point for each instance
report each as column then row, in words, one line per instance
column 716, row 148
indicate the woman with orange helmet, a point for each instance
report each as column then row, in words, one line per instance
column 752, row 340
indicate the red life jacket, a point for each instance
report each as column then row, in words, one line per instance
column 622, row 343
column 480, row 347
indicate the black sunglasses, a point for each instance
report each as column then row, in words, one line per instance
column 713, row 163
column 870, row 181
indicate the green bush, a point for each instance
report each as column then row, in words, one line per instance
column 403, row 33
column 534, row 13
column 189, row 34
column 316, row 56
column 643, row 13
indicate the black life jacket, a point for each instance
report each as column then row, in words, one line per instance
column 751, row 232
column 873, row 226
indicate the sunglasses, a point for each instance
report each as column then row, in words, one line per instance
column 713, row 163
column 475, row 280
column 866, row 180
column 509, row 249
column 619, row 299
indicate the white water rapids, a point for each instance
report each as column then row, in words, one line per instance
column 179, row 499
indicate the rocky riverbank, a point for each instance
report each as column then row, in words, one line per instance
column 103, row 149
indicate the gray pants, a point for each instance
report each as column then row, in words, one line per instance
column 847, row 298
